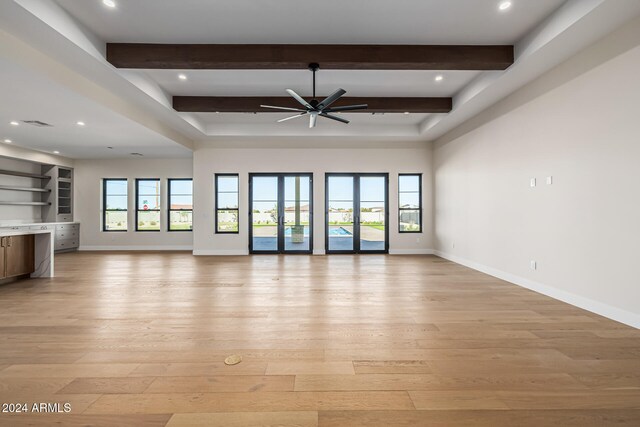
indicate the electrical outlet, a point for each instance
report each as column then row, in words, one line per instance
column 534, row 265
column 417, row 240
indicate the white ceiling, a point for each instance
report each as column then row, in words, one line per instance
column 274, row 82
column 326, row 21
column 132, row 110
column 30, row 95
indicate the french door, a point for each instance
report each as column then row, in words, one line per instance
column 280, row 213
column 356, row 213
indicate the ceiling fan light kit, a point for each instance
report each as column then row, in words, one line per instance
column 315, row 108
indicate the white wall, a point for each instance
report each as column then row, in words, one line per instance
column 88, row 203
column 396, row 158
column 580, row 123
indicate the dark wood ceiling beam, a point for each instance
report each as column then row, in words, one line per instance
column 251, row 104
column 336, row 57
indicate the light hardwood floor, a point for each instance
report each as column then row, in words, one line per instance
column 140, row 339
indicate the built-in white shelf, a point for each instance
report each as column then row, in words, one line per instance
column 31, row 189
column 26, row 203
column 23, row 174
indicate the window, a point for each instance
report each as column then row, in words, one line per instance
column 227, row 203
column 410, row 203
column 148, row 204
column 180, row 204
column 114, row 204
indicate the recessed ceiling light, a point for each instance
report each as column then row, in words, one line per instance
column 8, row 141
column 109, row 3
column 56, row 152
column 504, row 5
column 407, row 113
column 182, row 76
column 439, row 78
column 14, row 123
column 80, row 123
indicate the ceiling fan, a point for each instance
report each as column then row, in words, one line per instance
column 315, row 108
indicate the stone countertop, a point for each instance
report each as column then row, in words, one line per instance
column 35, row 224
column 4, row 233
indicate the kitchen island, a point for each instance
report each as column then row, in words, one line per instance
column 26, row 253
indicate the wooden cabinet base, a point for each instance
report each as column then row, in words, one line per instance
column 18, row 255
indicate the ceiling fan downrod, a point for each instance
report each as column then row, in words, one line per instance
column 314, row 67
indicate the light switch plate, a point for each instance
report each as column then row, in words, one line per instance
column 533, row 182
column 549, row 180
column 534, row 265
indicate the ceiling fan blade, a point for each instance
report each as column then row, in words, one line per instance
column 312, row 120
column 299, row 99
column 347, row 108
column 338, row 119
column 292, row 117
column 281, row 108
column 331, row 99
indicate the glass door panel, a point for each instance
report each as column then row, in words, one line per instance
column 373, row 213
column 264, row 213
column 357, row 213
column 340, row 207
column 281, row 207
column 297, row 213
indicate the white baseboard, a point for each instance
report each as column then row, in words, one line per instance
column 217, row 252
column 136, row 248
column 410, row 251
column 614, row 313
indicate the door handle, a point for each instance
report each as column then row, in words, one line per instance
column 2, row 242
column 9, row 241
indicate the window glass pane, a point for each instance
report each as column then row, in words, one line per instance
column 227, row 183
column 116, row 202
column 151, row 187
column 409, row 183
column 148, row 220
column 409, row 203
column 146, row 203
column 265, row 188
column 116, row 187
column 340, row 188
column 372, row 189
column 290, row 187
column 181, row 187
column 228, row 201
column 182, row 220
column 227, row 204
column 410, row 220
column 115, row 221
column 409, row 200
column 181, row 202
column 227, row 220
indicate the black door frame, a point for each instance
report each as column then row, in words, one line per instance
column 356, row 212
column 281, row 227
